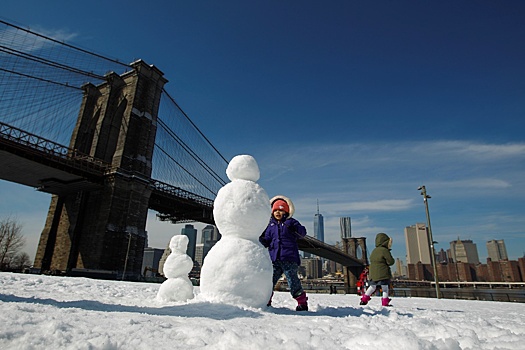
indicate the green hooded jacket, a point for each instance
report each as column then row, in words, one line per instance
column 381, row 259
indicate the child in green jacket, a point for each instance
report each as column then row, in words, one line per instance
column 380, row 261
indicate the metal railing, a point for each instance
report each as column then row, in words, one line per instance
column 180, row 193
column 39, row 146
column 514, row 295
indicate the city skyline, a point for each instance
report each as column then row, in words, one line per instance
column 354, row 104
column 466, row 251
column 416, row 236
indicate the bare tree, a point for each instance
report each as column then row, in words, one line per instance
column 11, row 241
column 21, row 261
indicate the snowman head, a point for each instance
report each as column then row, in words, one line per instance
column 243, row 167
column 242, row 208
column 179, row 244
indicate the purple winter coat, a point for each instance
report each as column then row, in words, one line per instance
column 281, row 239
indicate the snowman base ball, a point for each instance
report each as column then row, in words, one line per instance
column 175, row 289
column 237, row 271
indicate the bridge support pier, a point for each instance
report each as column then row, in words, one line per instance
column 104, row 228
column 49, row 244
column 356, row 247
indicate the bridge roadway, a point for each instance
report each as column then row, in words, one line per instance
column 56, row 169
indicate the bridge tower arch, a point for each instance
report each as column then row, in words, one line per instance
column 104, row 228
column 355, row 247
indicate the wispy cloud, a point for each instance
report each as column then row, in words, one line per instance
column 58, row 34
column 314, row 156
column 11, row 37
column 386, row 169
column 486, row 152
column 483, row 183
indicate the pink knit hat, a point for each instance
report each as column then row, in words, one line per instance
column 280, row 205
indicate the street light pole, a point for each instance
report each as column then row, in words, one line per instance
column 432, row 251
column 127, row 255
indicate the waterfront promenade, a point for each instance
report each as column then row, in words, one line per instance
column 489, row 291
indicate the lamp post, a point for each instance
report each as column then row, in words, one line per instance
column 127, row 255
column 432, row 251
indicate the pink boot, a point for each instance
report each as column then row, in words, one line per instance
column 302, row 304
column 385, row 301
column 364, row 299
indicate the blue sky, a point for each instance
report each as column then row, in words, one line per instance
column 350, row 103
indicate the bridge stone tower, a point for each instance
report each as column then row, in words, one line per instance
column 356, row 247
column 103, row 228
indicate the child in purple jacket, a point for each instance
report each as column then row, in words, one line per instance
column 280, row 237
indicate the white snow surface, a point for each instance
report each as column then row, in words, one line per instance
column 48, row 312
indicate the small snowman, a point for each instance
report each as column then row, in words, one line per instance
column 178, row 265
column 238, row 270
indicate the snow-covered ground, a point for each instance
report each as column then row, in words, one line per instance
column 44, row 312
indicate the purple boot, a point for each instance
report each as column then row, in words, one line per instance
column 364, row 299
column 385, row 301
column 302, row 304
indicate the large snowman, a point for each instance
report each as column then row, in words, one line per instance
column 238, row 270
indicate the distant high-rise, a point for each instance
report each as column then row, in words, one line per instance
column 163, row 258
column 210, row 236
column 313, row 267
column 318, row 225
column 191, row 232
column 150, row 261
column 207, row 232
column 442, row 257
column 210, row 233
column 496, row 250
column 346, row 227
column 464, row 251
column 199, row 253
column 400, row 270
column 417, row 244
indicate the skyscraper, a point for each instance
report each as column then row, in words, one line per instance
column 441, row 257
column 417, row 244
column 346, row 227
column 496, row 250
column 191, row 232
column 150, row 261
column 210, row 233
column 464, row 251
column 318, row 225
column 199, row 253
column 210, row 236
column 400, row 269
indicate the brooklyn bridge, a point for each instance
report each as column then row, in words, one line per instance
column 108, row 142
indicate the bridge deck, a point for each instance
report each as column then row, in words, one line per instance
column 311, row 245
column 40, row 173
